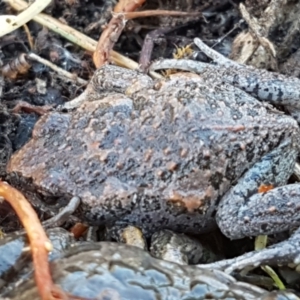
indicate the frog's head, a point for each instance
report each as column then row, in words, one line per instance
column 112, row 79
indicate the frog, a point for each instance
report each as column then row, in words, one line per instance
column 107, row 270
column 187, row 153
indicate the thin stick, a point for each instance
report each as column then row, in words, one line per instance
column 214, row 55
column 159, row 12
column 63, row 215
column 29, row 36
column 76, row 37
column 107, row 40
column 60, row 71
column 39, row 243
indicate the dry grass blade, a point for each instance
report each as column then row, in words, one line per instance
column 76, row 37
column 61, row 72
column 71, row 34
column 11, row 23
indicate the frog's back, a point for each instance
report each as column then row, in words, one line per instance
column 161, row 156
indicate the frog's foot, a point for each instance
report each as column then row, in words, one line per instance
column 267, row 86
column 179, row 248
column 275, row 211
column 283, row 253
column 254, row 207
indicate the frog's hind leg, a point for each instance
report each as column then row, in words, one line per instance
column 259, row 204
column 283, row 253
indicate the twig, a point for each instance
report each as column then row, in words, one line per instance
column 113, row 30
column 128, row 5
column 25, row 106
column 148, row 45
column 40, row 245
column 160, row 12
column 76, row 37
column 29, row 36
column 57, row 69
column 124, row 11
column 116, row 25
column 63, row 215
column 257, row 31
column 214, row 55
column 108, row 38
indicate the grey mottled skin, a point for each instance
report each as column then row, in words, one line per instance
column 162, row 155
column 115, row 271
column 267, row 86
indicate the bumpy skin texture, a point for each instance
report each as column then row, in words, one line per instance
column 162, row 154
column 114, row 271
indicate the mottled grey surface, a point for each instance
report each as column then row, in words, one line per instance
column 179, row 248
column 114, row 271
column 268, row 86
column 163, row 154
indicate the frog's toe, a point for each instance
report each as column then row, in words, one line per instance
column 284, row 253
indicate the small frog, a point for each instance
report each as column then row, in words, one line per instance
column 180, row 153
